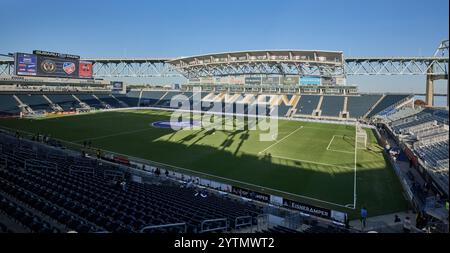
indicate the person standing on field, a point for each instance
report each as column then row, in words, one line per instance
column 363, row 217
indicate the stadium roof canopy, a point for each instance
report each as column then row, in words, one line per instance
column 285, row 62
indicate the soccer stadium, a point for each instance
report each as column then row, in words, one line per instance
column 257, row 141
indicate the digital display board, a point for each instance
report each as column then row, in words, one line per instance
column 117, row 86
column 85, row 69
column 310, row 80
column 57, row 67
column 49, row 64
column 253, row 80
column 272, row 80
column 290, row 80
column 26, row 64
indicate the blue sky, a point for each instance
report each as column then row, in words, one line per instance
column 187, row 27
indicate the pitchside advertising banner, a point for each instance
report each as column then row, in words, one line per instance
column 304, row 208
column 49, row 64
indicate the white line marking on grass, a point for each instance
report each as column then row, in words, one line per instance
column 328, row 147
column 280, row 140
column 312, row 162
column 113, row 135
column 336, row 150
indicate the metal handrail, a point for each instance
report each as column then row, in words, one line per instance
column 164, row 226
column 236, row 226
column 213, row 229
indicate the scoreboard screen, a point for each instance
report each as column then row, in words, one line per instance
column 26, row 64
column 57, row 67
column 117, row 86
column 48, row 64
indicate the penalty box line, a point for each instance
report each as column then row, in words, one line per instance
column 335, row 150
column 273, row 144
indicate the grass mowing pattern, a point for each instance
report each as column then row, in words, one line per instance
column 315, row 160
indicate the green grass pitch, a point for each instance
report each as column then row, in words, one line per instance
column 309, row 162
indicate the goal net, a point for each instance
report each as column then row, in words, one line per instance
column 361, row 137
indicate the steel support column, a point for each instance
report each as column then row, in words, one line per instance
column 429, row 92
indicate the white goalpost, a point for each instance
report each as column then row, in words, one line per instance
column 360, row 144
column 361, row 137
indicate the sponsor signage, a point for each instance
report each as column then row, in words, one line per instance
column 250, row 194
column 56, row 55
column 236, row 80
column 274, row 80
column 253, row 80
column 310, row 80
column 26, row 64
column 308, row 209
column 290, row 80
column 117, row 86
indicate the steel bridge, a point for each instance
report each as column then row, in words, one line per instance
column 284, row 62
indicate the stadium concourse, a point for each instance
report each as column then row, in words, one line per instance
column 49, row 186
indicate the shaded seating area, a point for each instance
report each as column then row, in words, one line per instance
column 358, row 106
column 76, row 192
column 67, row 102
column 388, row 100
column 36, row 102
column 8, row 105
column 332, row 105
column 307, row 104
column 90, row 100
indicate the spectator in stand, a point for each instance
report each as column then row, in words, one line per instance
column 123, row 184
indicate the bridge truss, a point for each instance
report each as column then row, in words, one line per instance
column 360, row 66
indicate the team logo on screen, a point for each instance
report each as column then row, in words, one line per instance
column 69, row 67
column 48, row 66
column 86, row 67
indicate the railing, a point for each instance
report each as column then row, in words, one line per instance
column 218, row 228
column 38, row 164
column 156, row 227
column 246, row 221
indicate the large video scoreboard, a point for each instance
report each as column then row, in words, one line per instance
column 50, row 64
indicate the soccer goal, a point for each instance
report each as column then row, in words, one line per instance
column 361, row 137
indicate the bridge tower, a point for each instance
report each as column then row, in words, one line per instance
column 441, row 51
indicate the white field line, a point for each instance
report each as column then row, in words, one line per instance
column 113, row 135
column 280, row 140
column 312, row 162
column 328, row 147
column 336, row 150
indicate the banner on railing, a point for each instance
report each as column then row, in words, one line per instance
column 308, row 209
column 250, row 194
